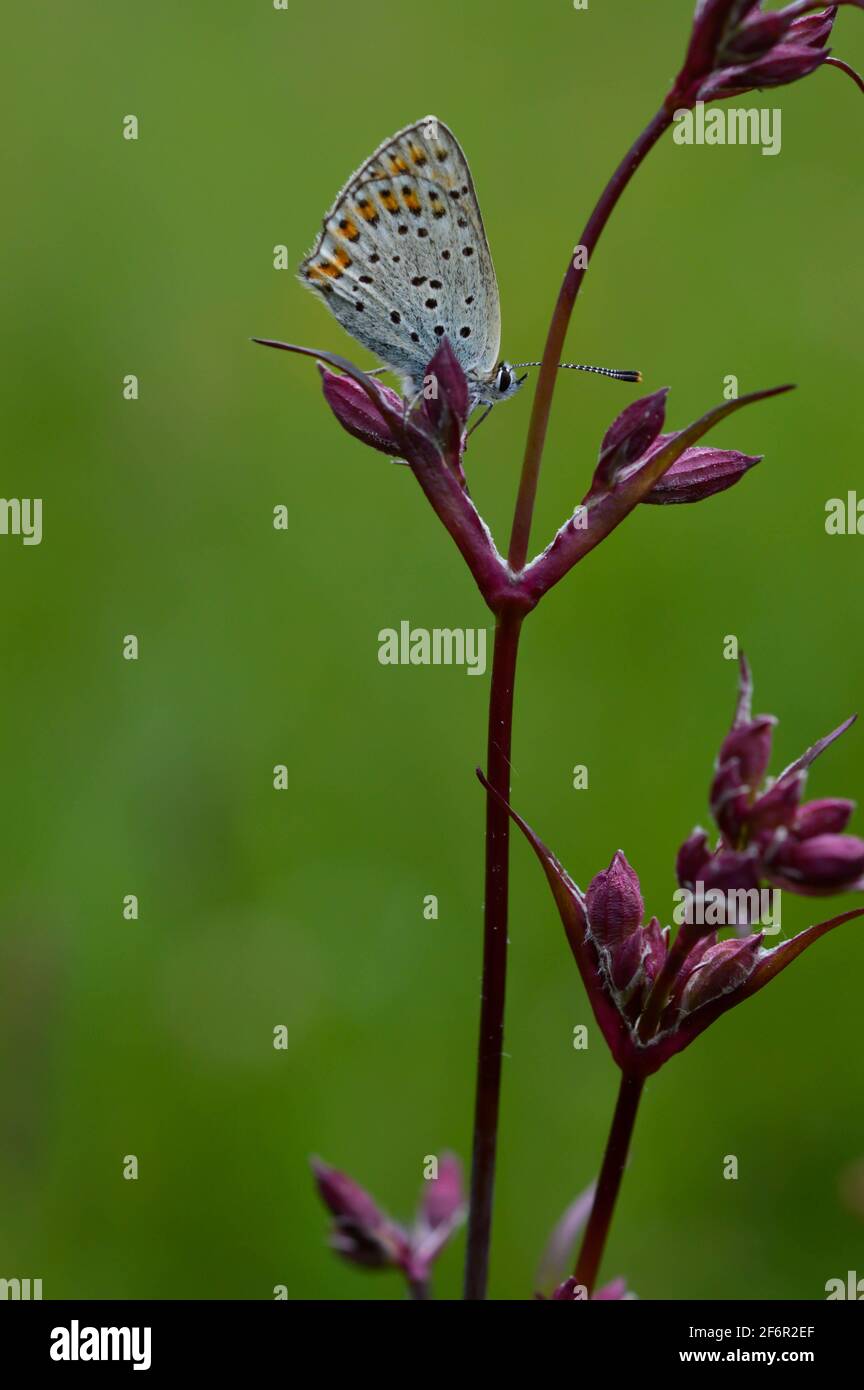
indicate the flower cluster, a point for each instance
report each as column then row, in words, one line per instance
column 736, row 46
column 767, row 832
column 653, row 996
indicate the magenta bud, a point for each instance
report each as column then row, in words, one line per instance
column 656, row 943
column 750, row 745
column 821, row 864
column 731, row 869
column 692, row 858
column 699, row 473
column 712, row 23
column 729, row 799
column 344, row 1197
column 614, row 903
column 626, row 963
column 357, row 414
column 443, row 1198
column 693, row 958
column 778, row 806
column 628, row 439
column 442, row 1210
column 362, row 1233
column 721, row 969
column 445, row 387
column 756, row 36
column 829, row 816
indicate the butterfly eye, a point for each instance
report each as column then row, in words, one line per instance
column 504, row 379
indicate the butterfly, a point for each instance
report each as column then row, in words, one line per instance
column 402, row 261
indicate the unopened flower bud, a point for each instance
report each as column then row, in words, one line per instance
column 356, row 412
column 614, row 903
column 820, row 865
column 830, row 816
column 692, row 858
column 722, row 968
column 699, row 473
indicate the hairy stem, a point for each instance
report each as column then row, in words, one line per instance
column 494, row 956
column 522, row 518
column 609, row 1182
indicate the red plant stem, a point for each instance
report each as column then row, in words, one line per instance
column 609, row 1182
column 850, row 72
column 521, row 533
column 494, row 956
column 494, row 983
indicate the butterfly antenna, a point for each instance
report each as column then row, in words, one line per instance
column 581, row 367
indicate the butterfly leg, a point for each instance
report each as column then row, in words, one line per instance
column 485, row 416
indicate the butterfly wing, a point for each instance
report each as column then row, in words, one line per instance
column 402, row 257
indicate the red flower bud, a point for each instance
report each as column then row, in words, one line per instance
column 692, row 858
column 614, row 903
column 750, row 746
column 356, row 413
column 778, row 806
column 699, row 473
column 362, row 1233
column 442, row 1209
column 830, row 816
column 729, row 798
column 722, row 968
column 820, row 865
column 628, row 439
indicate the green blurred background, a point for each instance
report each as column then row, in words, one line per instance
column 304, row 907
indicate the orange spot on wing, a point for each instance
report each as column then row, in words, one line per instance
column 412, row 202
column 398, row 165
column 342, row 257
column 418, row 155
column 389, row 201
